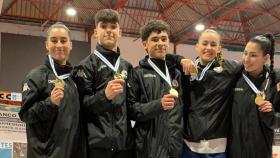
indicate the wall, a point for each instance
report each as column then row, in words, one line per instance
column 23, row 48
column 131, row 49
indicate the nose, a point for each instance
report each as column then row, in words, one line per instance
column 59, row 44
column 208, row 46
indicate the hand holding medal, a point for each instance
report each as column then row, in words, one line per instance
column 260, row 95
column 58, row 91
column 59, row 83
column 168, row 101
column 113, row 88
column 259, row 99
column 118, row 76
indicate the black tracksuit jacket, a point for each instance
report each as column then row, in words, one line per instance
column 158, row 132
column 107, row 122
column 251, row 130
column 208, row 102
column 52, row 131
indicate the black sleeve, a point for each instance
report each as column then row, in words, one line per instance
column 267, row 118
column 35, row 109
column 138, row 110
column 94, row 102
column 276, row 99
column 175, row 59
column 78, row 76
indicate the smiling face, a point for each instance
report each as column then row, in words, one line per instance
column 209, row 44
column 157, row 44
column 107, row 34
column 59, row 45
column 253, row 58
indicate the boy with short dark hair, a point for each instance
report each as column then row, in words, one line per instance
column 104, row 102
column 154, row 97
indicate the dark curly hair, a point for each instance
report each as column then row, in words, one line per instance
column 107, row 15
column 154, row 26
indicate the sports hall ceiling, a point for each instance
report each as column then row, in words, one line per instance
column 237, row 20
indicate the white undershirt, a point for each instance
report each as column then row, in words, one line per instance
column 211, row 146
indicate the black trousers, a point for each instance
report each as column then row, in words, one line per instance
column 107, row 153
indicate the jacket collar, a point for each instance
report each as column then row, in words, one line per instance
column 60, row 69
column 144, row 63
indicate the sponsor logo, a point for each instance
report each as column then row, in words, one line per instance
column 149, row 75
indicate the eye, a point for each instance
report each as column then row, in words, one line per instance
column 204, row 43
column 113, row 26
column 164, row 39
column 155, row 39
column 54, row 40
column 64, row 40
column 213, row 44
column 103, row 26
column 253, row 55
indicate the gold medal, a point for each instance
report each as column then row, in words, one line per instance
column 193, row 71
column 118, row 76
column 219, row 69
column 259, row 99
column 59, row 83
column 174, row 92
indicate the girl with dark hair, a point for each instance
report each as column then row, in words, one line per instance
column 252, row 110
column 50, row 103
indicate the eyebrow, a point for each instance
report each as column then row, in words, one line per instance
column 58, row 37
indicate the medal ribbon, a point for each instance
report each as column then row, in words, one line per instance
column 203, row 71
column 162, row 75
column 253, row 87
column 114, row 68
column 54, row 71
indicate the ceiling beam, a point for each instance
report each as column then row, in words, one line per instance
column 50, row 17
column 203, row 19
column 39, row 10
column 223, row 15
column 244, row 25
column 261, row 12
column 9, row 7
column 120, row 4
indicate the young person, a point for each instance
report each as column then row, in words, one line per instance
column 154, row 97
column 252, row 111
column 207, row 97
column 50, row 105
column 109, row 129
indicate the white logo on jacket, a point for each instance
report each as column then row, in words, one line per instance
column 149, row 75
column 51, row 81
column 238, row 89
column 25, row 87
column 124, row 74
column 101, row 67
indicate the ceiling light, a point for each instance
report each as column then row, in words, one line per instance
column 71, row 11
column 199, row 27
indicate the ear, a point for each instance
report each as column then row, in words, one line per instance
column 144, row 44
column 266, row 57
column 120, row 33
column 47, row 45
column 95, row 33
column 70, row 45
